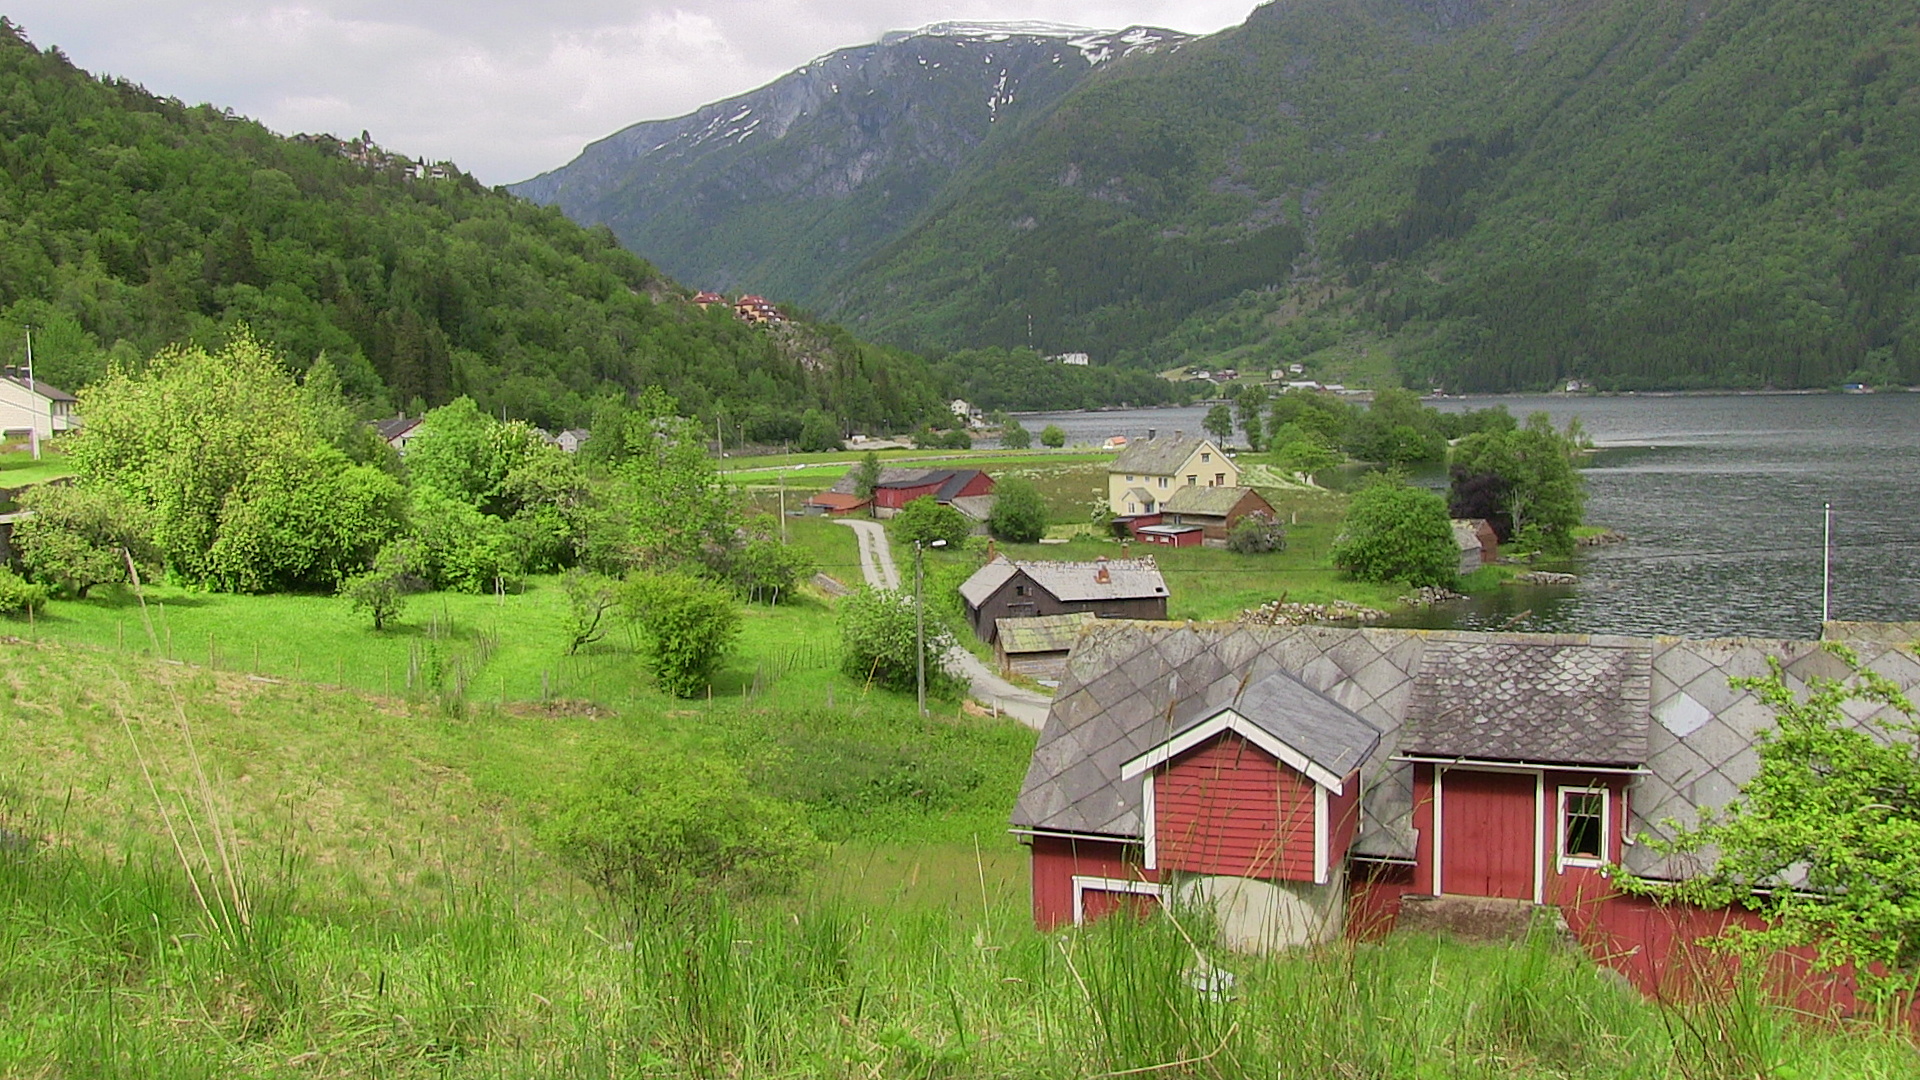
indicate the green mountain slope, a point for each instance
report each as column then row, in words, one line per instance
column 130, row 221
column 1633, row 192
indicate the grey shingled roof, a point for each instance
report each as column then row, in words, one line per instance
column 1157, row 457
column 1207, row 501
column 41, row 387
column 1570, row 700
column 1041, row 633
column 1130, row 685
column 1127, row 579
column 1331, row 735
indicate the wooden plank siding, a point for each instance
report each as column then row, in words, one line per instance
column 1057, row 860
column 1226, row 807
column 1487, row 833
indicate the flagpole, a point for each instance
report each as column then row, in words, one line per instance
column 1826, row 570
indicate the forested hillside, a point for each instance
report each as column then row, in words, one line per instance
column 1638, row 193
column 130, row 221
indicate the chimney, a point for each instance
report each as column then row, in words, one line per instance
column 1101, row 575
column 990, row 554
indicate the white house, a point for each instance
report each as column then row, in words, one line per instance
column 1076, row 359
column 45, row 409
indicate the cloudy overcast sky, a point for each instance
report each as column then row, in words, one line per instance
column 505, row 88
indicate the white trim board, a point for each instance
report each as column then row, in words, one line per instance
column 1220, row 723
column 1085, row 883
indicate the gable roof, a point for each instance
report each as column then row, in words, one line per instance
column 395, row 426
column 40, row 386
column 1310, row 732
column 1127, row 579
column 837, row 500
column 1158, row 457
column 1549, row 700
column 1208, row 501
column 950, row 480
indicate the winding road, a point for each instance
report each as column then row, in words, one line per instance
column 987, row 687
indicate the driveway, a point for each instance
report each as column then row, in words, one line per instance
column 986, row 687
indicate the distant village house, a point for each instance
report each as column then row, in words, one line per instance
column 1148, row 472
column 43, row 409
column 1105, row 588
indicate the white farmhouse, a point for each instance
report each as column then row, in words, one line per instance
column 47, row 410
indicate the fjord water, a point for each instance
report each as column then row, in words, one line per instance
column 1720, row 498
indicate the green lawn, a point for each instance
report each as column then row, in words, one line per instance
column 18, row 469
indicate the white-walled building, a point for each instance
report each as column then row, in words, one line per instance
column 45, row 409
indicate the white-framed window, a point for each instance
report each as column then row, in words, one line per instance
column 1192, row 479
column 1205, row 457
column 1129, row 478
column 1130, row 508
column 1165, row 480
column 1586, row 826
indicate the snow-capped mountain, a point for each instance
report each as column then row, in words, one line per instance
column 772, row 189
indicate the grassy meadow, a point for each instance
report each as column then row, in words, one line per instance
column 207, row 874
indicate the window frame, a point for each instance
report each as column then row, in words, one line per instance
column 1562, row 857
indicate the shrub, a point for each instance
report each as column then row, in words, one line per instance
column 1398, row 533
column 649, row 824
column 462, row 549
column 1257, row 534
column 818, row 432
column 1051, row 436
column 19, row 596
column 923, row 521
column 1015, row 437
column 688, row 624
column 79, row 536
column 876, row 642
column 382, row 591
column 1019, row 513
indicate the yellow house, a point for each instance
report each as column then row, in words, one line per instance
column 1148, row 472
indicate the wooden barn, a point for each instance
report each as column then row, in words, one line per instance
column 1170, row 535
column 1300, row 780
column 1106, row 588
column 898, row 487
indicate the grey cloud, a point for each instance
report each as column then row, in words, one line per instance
column 505, row 89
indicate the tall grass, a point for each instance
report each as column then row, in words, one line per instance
column 108, row 972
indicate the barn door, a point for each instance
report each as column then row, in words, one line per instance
column 1487, row 833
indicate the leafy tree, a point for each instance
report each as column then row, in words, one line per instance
column 1299, row 450
column 764, row 568
column 1219, row 423
column 1251, row 406
column 75, row 536
column 465, row 454
column 818, row 432
column 1824, row 841
column 1013, row 436
column 1396, row 429
column 591, row 598
column 1052, row 437
column 1527, row 473
column 668, row 825
column 866, row 476
column 382, row 590
column 461, row 549
column 1257, row 534
column 1019, row 513
column 688, row 625
column 877, row 632
column 922, row 521
column 550, row 504
column 662, row 504
column 1394, row 532
column 241, row 470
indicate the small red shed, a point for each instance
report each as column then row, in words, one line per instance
column 1170, row 535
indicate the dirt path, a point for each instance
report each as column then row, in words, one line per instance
column 988, row 688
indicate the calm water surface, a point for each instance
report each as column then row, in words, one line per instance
column 1721, row 500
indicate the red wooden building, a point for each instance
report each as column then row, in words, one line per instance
column 1298, row 780
column 942, row 485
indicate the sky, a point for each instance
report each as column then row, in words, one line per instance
column 505, row 88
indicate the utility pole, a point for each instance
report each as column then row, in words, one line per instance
column 920, row 624
column 33, row 434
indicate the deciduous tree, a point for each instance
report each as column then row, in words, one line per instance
column 1019, row 513
column 688, row 624
column 75, row 536
column 1394, row 532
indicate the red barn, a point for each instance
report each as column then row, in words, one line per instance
column 899, row 487
column 1295, row 779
